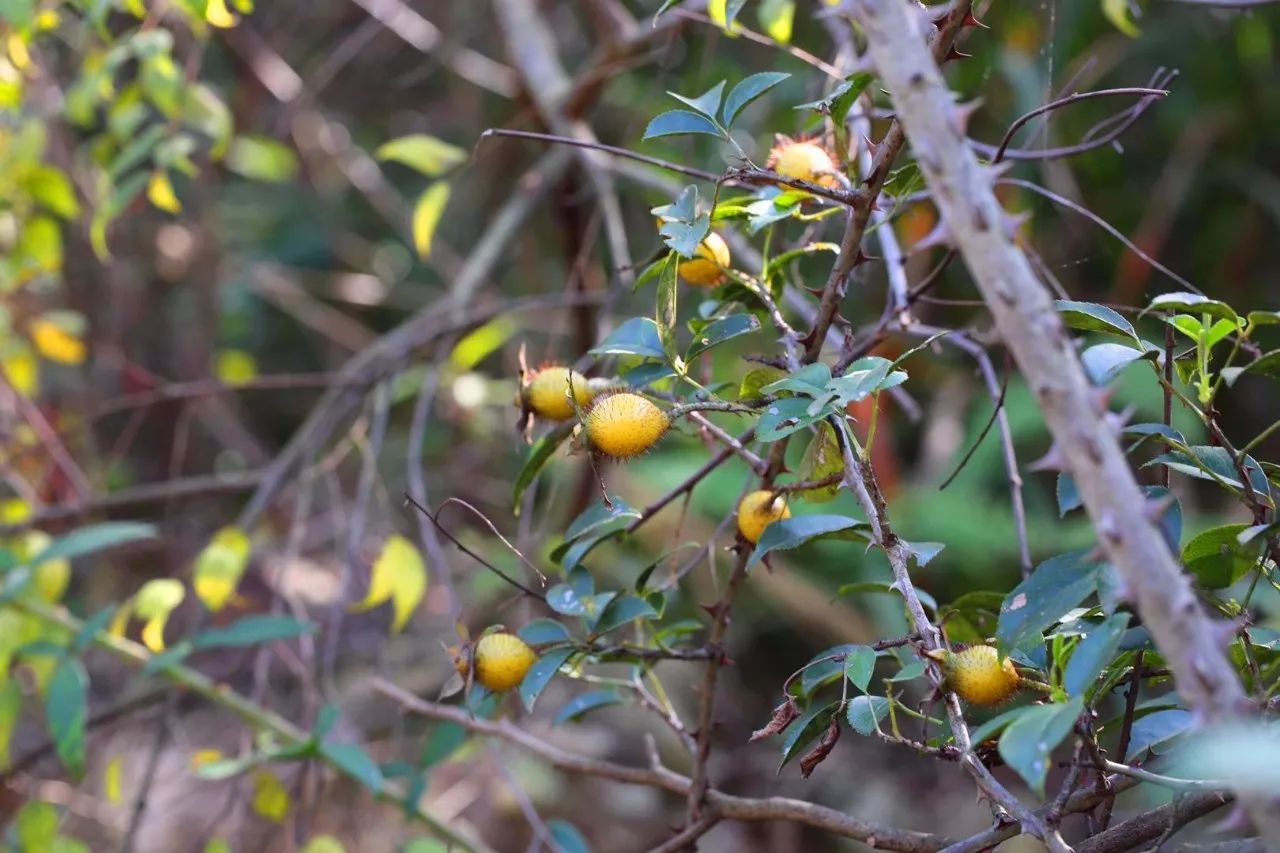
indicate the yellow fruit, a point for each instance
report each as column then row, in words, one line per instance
column 758, row 510
column 547, row 396
column 803, row 161
column 978, row 676
column 706, row 268
column 502, row 660
column 623, row 424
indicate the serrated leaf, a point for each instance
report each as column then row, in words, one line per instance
column 679, row 122
column 540, row 675
column 789, row 533
column 865, row 712
column 219, row 567
column 427, row 212
column 748, row 90
column 422, row 153
column 859, row 665
column 1028, row 742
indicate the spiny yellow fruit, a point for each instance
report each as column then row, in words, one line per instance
column 623, row 424
column 803, row 160
column 546, row 394
column 706, row 268
column 758, row 510
column 978, row 676
column 502, row 660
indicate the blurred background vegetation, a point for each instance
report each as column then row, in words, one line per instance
column 276, row 263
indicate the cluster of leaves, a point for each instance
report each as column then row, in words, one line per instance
column 139, row 122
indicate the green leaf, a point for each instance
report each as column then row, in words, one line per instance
column 351, row 759
column 776, row 19
column 637, row 336
column 427, row 212
column 1192, row 303
column 597, row 515
column 1030, row 739
column 37, row 825
column 540, row 632
column 747, row 90
column 10, row 712
column 805, row 730
column 1210, row 462
column 540, row 675
column 52, row 190
column 788, row 533
column 262, row 159
column 93, row 538
column 1090, row 317
column 65, row 701
column 425, row 154
column 1216, row 557
column 679, row 122
column 251, row 631
column 443, row 742
column 708, row 103
column 621, row 610
column 859, row 665
column 822, row 459
column 1057, row 585
column 753, row 384
column 580, row 705
column 865, row 713
column 203, row 110
column 824, row 668
column 781, row 418
column 721, row 330
column 1117, row 12
column 685, row 237
column 537, row 457
column 667, row 307
column 1068, row 494
column 566, row 837
column 1104, row 362
column 995, row 725
column 1170, row 521
column 838, row 103
column 810, row 380
column 1265, row 365
column 1152, row 730
column 1094, row 654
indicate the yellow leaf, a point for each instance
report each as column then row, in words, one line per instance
column 160, row 192
column 120, row 620
column 51, row 576
column 426, row 216
column 776, row 18
column 477, row 345
column 47, row 20
column 219, row 567
column 219, row 15
column 56, row 343
column 201, row 757
column 399, row 575
column 217, row 845
column 14, row 511
column 18, row 53
column 153, row 603
column 22, row 371
column 324, row 844
column 425, row 154
column 235, row 367
column 1117, row 12
column 112, row 777
column 270, row 798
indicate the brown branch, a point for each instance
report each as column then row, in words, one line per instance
column 1155, row 823
column 886, row 152
column 728, row 807
column 1033, row 331
column 1068, row 100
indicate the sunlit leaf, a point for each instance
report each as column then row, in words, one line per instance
column 270, row 797
column 262, row 159
column 160, row 192
column 399, row 576
column 426, row 154
column 153, row 603
column 426, row 216
column 776, row 19
column 112, row 779
column 219, row 566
